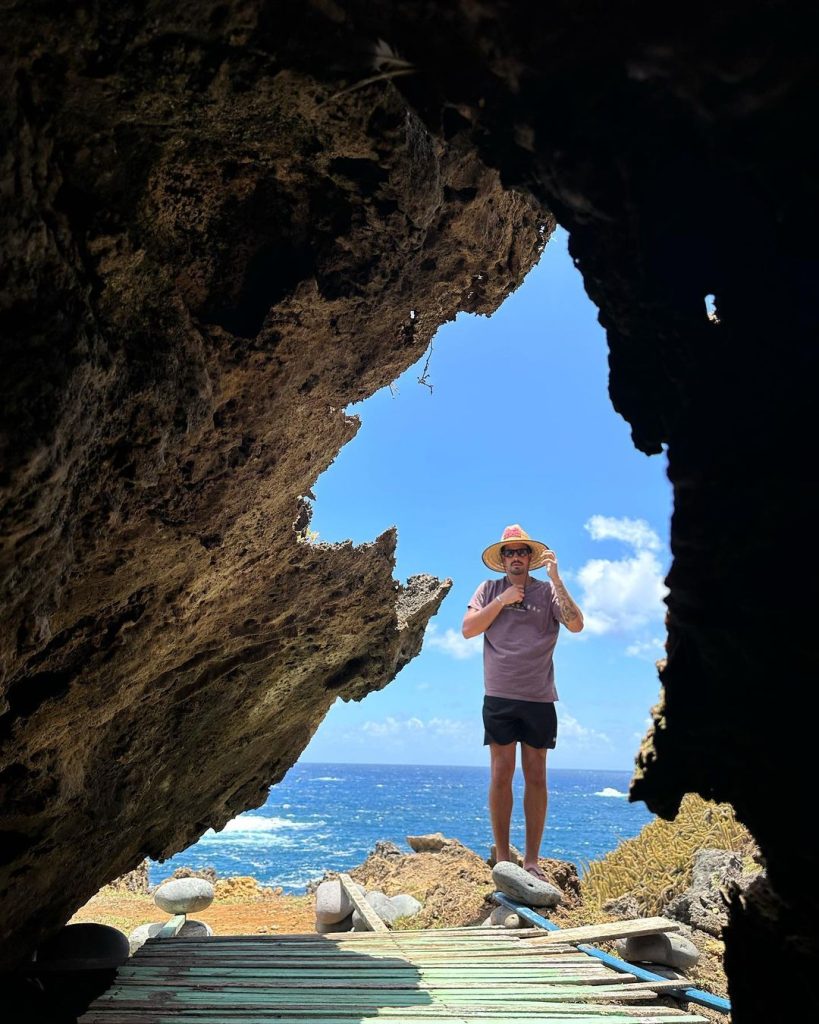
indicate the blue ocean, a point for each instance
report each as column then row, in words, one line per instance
column 324, row 817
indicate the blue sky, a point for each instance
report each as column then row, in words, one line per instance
column 518, row 428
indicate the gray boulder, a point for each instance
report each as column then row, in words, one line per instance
column 517, row 883
column 86, row 946
column 505, row 918
column 703, row 904
column 382, row 905
column 406, row 905
column 332, row 902
column 184, row 895
column 672, row 950
column 671, row 973
column 345, row 925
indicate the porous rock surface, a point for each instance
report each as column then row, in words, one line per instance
column 454, row 884
column 218, row 226
column 209, row 257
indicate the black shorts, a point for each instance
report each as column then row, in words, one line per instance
column 524, row 721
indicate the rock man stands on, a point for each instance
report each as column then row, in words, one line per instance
column 520, row 618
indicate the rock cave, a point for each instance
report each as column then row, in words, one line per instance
column 217, row 218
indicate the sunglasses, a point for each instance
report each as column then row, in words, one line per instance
column 510, row 552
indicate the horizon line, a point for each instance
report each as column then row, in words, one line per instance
column 424, row 764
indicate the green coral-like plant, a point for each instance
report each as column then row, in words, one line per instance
column 656, row 865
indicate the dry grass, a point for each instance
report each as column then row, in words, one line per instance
column 656, row 865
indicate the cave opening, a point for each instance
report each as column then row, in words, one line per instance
column 429, row 460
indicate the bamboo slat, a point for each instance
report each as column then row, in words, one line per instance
column 374, row 922
column 460, row 976
column 171, row 927
column 608, row 931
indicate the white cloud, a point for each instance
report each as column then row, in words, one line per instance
column 449, row 727
column 398, row 727
column 649, row 650
column 635, row 532
column 452, row 643
column 386, row 727
column 622, row 595
column 569, row 729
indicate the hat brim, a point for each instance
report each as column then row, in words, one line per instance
column 492, row 555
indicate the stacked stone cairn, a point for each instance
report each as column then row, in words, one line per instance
column 514, row 881
column 670, row 956
column 177, row 896
column 335, row 911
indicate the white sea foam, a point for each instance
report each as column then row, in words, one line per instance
column 258, row 823
column 608, row 791
column 328, row 778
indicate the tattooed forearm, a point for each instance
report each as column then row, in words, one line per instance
column 570, row 614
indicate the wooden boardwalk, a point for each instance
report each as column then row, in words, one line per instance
column 458, row 975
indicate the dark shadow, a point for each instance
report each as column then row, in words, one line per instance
column 276, row 975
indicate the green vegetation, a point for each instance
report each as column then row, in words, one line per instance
column 656, row 865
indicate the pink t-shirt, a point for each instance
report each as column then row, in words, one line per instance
column 518, row 646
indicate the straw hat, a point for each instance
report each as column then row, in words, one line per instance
column 515, row 535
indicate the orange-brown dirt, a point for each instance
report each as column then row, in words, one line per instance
column 241, row 907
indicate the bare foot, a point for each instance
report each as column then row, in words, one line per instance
column 537, row 871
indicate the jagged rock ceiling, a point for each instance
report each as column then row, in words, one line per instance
column 218, row 219
column 211, row 257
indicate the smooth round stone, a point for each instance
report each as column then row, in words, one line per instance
column 382, row 905
column 406, row 905
column 671, row 950
column 516, row 882
column 191, row 929
column 670, row 973
column 332, row 902
column 84, row 947
column 505, row 917
column 345, row 925
column 184, row 895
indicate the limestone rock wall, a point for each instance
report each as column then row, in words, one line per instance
column 209, row 254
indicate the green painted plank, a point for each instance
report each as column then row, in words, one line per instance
column 457, row 977
column 582, row 1016
column 407, row 973
column 171, row 927
column 206, row 948
column 378, row 986
column 365, row 999
column 364, row 962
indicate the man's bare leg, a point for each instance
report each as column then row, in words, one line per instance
column 535, row 800
column 502, row 771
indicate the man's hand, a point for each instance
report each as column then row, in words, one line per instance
column 512, row 595
column 570, row 614
column 550, row 565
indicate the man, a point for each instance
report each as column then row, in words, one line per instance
column 520, row 617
